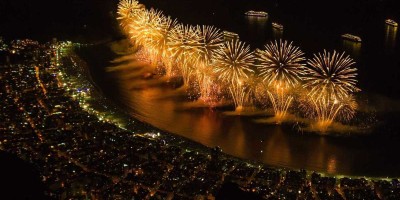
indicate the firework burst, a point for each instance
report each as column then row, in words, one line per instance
column 233, row 61
column 210, row 40
column 280, row 63
column 183, row 43
column 167, row 25
column 330, row 74
column 326, row 110
column 205, row 79
column 148, row 32
column 233, row 64
column 325, row 85
column 280, row 68
column 127, row 9
column 330, row 81
column 147, row 28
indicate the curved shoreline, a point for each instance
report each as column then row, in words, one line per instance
column 185, row 142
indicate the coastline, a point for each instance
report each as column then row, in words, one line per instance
column 86, row 142
column 184, row 142
column 89, row 121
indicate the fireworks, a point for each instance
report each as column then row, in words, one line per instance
column 167, row 25
column 280, row 63
column 126, row 10
column 280, row 101
column 183, row 43
column 330, row 81
column 211, row 39
column 146, row 29
column 331, row 74
column 280, row 66
column 233, row 62
column 216, row 67
column 125, row 7
column 208, row 88
column 325, row 110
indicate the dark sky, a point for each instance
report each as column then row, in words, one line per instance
column 66, row 19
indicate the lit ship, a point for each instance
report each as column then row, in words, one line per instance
column 230, row 35
column 277, row 26
column 351, row 37
column 256, row 13
column 391, row 22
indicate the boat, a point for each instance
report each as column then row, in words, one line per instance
column 256, row 13
column 351, row 37
column 230, row 35
column 277, row 26
column 391, row 22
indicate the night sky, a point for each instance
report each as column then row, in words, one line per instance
column 66, row 19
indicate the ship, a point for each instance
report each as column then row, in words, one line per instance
column 391, row 22
column 256, row 13
column 230, row 35
column 277, row 26
column 351, row 37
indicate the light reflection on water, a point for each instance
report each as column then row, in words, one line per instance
column 257, row 21
column 352, row 48
column 390, row 37
column 256, row 29
column 277, row 33
column 156, row 102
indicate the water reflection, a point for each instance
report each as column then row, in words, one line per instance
column 352, row 48
column 277, row 32
column 277, row 148
column 156, row 102
column 390, row 37
column 256, row 29
column 256, row 21
column 332, row 165
column 206, row 129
